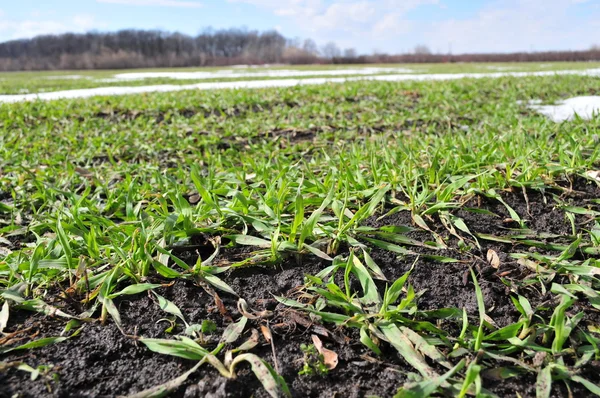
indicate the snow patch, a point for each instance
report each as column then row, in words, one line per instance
column 530, row 102
column 235, row 73
column 67, row 77
column 499, row 68
column 253, row 84
column 585, row 107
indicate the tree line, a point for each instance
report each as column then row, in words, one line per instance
column 141, row 48
column 152, row 49
column 545, row 56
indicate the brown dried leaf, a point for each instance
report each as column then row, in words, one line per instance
column 296, row 317
column 249, row 313
column 330, row 358
column 84, row 172
column 269, row 337
column 220, row 305
column 266, row 333
column 493, row 259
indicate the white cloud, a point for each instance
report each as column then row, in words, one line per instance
column 25, row 29
column 343, row 16
column 391, row 24
column 20, row 29
column 85, row 22
column 342, row 20
column 498, row 26
column 159, row 3
column 294, row 8
column 515, row 25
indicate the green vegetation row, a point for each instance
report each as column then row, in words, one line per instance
column 47, row 81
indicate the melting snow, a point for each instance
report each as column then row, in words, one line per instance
column 69, row 94
column 67, row 77
column 499, row 68
column 271, row 73
column 584, row 107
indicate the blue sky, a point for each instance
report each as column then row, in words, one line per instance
column 367, row 25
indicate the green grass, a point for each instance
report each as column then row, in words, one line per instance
column 47, row 81
column 95, row 195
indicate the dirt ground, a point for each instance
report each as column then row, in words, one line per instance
column 103, row 362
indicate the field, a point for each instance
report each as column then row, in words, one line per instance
column 362, row 239
column 38, row 82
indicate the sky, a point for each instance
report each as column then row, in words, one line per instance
column 392, row 26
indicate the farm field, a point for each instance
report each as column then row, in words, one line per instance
column 361, row 239
column 50, row 81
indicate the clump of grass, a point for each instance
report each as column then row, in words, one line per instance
column 313, row 362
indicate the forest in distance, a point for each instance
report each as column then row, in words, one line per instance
column 153, row 49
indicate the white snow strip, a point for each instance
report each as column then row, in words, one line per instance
column 530, row 102
column 270, row 73
column 67, row 77
column 253, row 84
column 499, row 68
column 585, row 107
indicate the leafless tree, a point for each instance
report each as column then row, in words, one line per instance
column 422, row 49
column 310, row 47
column 138, row 48
column 331, row 50
column 349, row 53
column 152, row 48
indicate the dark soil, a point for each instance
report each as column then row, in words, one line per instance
column 103, row 362
column 159, row 116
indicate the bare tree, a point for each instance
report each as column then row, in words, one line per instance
column 422, row 49
column 295, row 42
column 153, row 48
column 349, row 53
column 310, row 47
column 331, row 50
column 138, row 48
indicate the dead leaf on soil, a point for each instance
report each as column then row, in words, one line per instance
column 296, row 317
column 493, row 259
column 266, row 333
column 250, row 314
column 219, row 304
column 269, row 338
column 330, row 358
